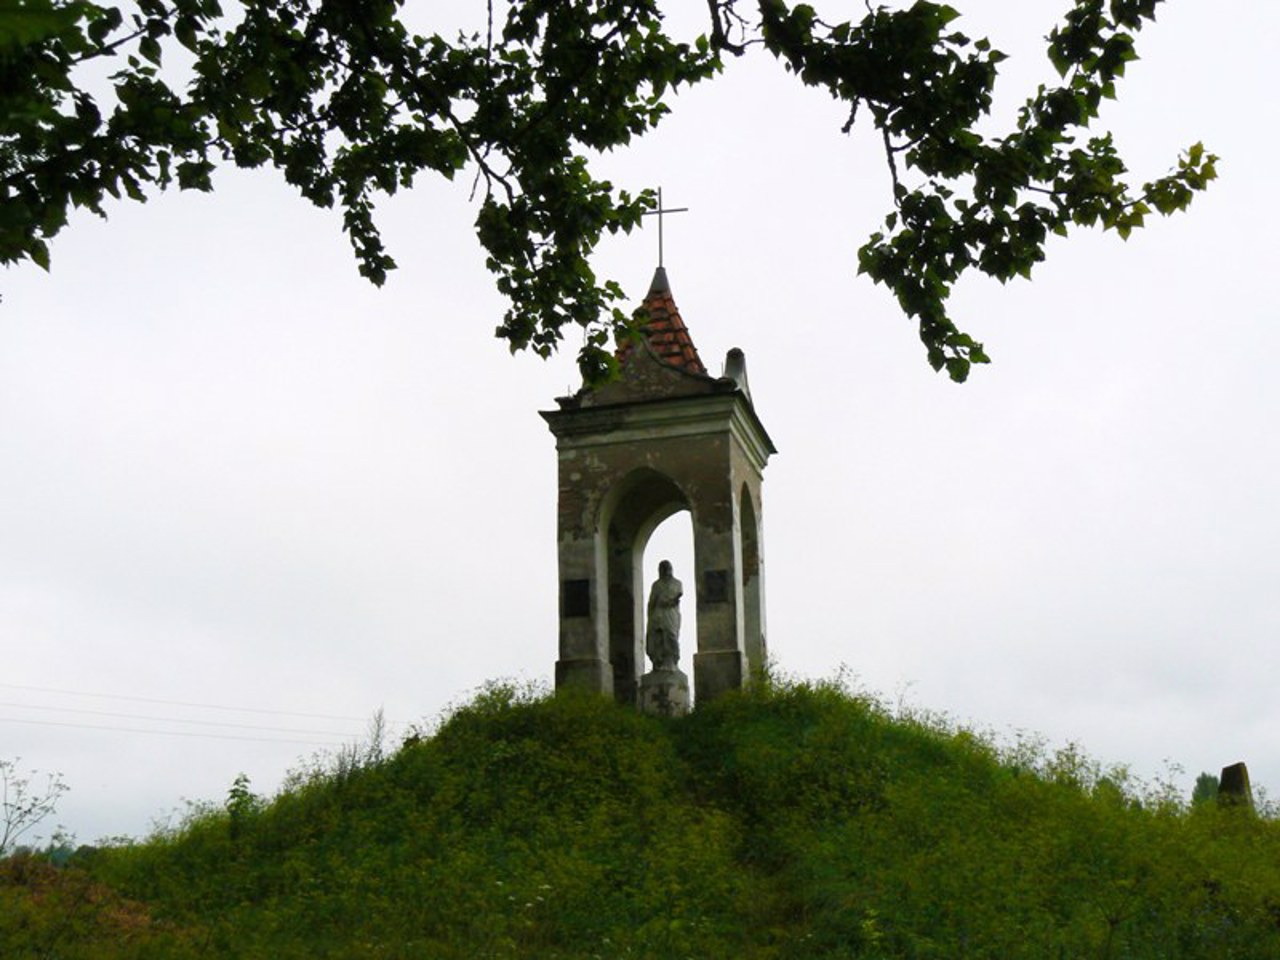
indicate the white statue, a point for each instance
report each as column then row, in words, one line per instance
column 662, row 633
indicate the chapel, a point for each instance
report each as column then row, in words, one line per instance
column 664, row 436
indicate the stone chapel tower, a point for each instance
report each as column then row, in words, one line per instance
column 665, row 436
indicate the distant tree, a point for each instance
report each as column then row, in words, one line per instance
column 1205, row 790
column 349, row 101
column 22, row 805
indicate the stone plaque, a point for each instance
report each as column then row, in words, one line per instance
column 575, row 598
column 715, row 586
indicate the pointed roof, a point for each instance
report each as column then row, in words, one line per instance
column 665, row 331
column 665, row 368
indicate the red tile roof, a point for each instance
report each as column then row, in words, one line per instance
column 667, row 335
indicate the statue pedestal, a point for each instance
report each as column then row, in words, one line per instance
column 664, row 693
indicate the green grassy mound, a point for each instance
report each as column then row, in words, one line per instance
column 795, row 821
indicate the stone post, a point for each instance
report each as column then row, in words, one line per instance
column 1234, row 789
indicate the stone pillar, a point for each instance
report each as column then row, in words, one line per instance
column 625, row 643
column 720, row 663
column 584, row 612
column 751, row 564
column 1234, row 789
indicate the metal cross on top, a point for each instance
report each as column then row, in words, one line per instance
column 658, row 213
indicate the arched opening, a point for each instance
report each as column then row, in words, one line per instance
column 673, row 540
column 636, row 506
column 752, row 586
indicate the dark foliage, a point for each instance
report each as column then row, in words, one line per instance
column 349, row 103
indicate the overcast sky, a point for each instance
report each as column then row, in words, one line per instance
column 242, row 486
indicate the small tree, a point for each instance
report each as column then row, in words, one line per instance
column 1205, row 790
column 23, row 806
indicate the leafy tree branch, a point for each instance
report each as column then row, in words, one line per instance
column 350, row 105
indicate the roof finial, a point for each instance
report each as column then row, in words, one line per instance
column 659, row 212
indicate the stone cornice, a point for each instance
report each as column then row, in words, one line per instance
column 729, row 412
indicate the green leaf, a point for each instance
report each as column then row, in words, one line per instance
column 38, row 251
column 957, row 369
column 149, row 47
column 185, row 30
column 25, row 24
column 946, row 14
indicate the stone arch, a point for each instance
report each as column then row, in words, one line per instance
column 629, row 514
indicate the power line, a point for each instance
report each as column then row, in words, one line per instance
column 201, row 723
column 183, row 703
column 168, row 733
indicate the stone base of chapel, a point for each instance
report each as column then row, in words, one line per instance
column 717, row 672
column 664, row 693
column 588, row 674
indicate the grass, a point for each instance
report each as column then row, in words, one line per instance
column 796, row 820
